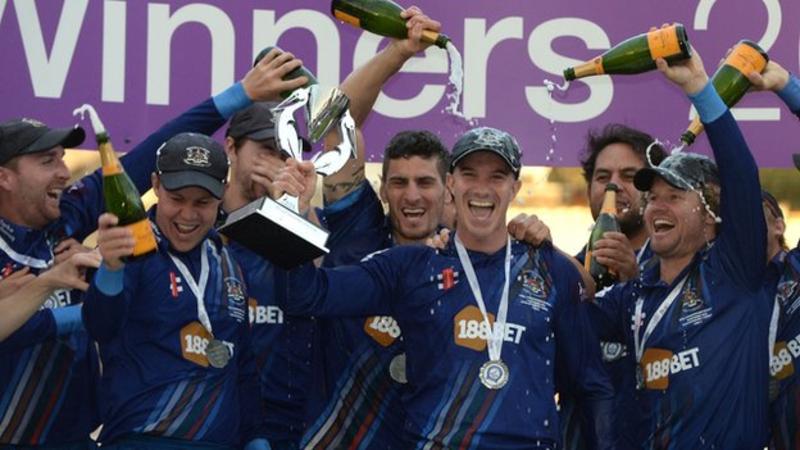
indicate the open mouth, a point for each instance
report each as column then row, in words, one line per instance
column 623, row 207
column 413, row 213
column 184, row 229
column 54, row 194
column 662, row 226
column 481, row 209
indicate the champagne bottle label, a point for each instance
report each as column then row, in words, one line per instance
column 347, row 18
column 143, row 234
column 664, row 42
column 746, row 59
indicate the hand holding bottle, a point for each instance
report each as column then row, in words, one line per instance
column 417, row 23
column 689, row 75
column 264, row 82
column 774, row 78
column 614, row 250
column 114, row 242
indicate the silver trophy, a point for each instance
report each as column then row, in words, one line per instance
column 274, row 228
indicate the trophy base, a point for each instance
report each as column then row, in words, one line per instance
column 275, row 232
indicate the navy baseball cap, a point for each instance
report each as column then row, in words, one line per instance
column 26, row 136
column 491, row 140
column 682, row 170
column 192, row 159
column 256, row 123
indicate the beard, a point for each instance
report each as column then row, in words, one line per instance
column 631, row 222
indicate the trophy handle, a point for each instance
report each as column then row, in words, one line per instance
column 331, row 161
column 285, row 125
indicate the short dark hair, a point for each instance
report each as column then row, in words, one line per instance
column 422, row 143
column 617, row 133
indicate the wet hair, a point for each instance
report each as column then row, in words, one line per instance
column 422, row 143
column 617, row 133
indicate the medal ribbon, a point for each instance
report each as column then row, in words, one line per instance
column 198, row 288
column 657, row 316
column 495, row 342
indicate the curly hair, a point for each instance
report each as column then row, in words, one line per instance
column 615, row 133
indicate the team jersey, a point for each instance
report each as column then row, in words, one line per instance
column 617, row 358
column 157, row 379
column 47, row 380
column 282, row 347
column 784, row 388
column 705, row 365
column 547, row 335
column 355, row 401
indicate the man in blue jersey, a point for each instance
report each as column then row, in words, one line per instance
column 779, row 80
column 47, row 367
column 613, row 155
column 697, row 316
column 483, row 293
column 172, row 325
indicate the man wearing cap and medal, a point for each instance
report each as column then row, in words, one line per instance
column 698, row 316
column 488, row 322
column 52, row 402
column 172, row 325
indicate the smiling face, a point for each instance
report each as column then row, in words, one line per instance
column 618, row 163
column 677, row 221
column 185, row 215
column 34, row 185
column 415, row 192
column 483, row 186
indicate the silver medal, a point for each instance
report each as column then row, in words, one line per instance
column 218, row 354
column 494, row 374
column 397, row 368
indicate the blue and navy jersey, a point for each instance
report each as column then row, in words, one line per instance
column 355, row 402
column 547, row 336
column 705, row 366
column 156, row 377
column 618, row 359
column 47, row 381
column 784, row 386
column 282, row 347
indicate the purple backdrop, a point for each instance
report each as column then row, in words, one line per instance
column 122, row 57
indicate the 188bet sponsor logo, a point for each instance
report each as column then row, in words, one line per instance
column 782, row 363
column 471, row 331
column 194, row 341
column 383, row 329
column 658, row 364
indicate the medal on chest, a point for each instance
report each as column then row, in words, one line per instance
column 494, row 374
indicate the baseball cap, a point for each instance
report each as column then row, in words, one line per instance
column 26, row 136
column 255, row 123
column 487, row 139
column 682, row 170
column 796, row 158
column 192, row 159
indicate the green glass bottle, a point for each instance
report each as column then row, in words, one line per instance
column 637, row 54
column 122, row 198
column 606, row 221
column 381, row 17
column 299, row 72
column 730, row 80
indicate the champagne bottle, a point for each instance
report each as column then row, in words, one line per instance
column 637, row 54
column 730, row 80
column 606, row 221
column 298, row 72
column 381, row 17
column 120, row 194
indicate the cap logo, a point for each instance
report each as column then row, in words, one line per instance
column 33, row 122
column 197, row 156
column 490, row 139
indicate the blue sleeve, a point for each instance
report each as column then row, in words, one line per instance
column 84, row 203
column 366, row 289
column 578, row 358
column 708, row 103
column 68, row 319
column 790, row 94
column 742, row 238
column 40, row 327
column 106, row 303
column 606, row 313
